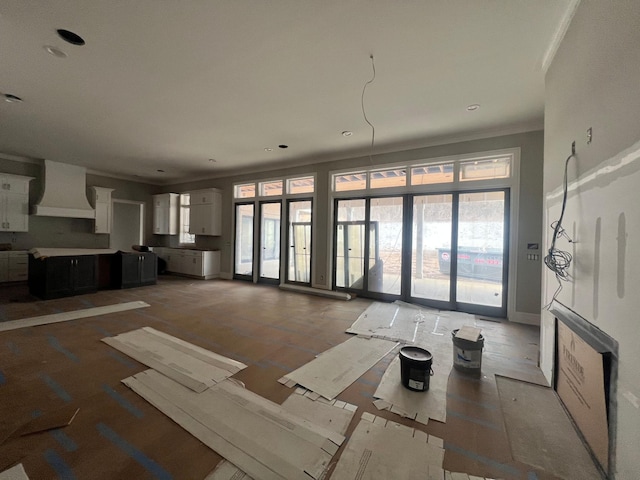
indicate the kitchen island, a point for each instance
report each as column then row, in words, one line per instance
column 63, row 272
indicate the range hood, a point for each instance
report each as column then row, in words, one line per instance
column 65, row 192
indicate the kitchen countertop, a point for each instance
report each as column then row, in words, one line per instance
column 67, row 252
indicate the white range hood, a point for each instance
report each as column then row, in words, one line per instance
column 65, row 192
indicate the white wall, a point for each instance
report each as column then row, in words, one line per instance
column 594, row 81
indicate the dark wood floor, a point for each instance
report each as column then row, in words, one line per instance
column 116, row 434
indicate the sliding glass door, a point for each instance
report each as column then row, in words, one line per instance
column 270, row 241
column 368, row 245
column 299, row 232
column 243, row 264
column 444, row 250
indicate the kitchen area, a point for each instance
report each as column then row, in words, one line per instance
column 65, row 231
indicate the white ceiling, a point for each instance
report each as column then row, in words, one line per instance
column 164, row 84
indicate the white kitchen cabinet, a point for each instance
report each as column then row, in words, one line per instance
column 14, row 266
column 203, row 264
column 165, row 213
column 14, row 203
column 101, row 198
column 205, row 212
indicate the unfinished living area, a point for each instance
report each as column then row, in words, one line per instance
column 340, row 240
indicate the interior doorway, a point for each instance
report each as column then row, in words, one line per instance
column 127, row 225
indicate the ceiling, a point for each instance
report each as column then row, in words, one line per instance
column 169, row 85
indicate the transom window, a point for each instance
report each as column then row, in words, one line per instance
column 462, row 169
column 275, row 188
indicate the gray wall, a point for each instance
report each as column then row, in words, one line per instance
column 529, row 215
column 594, row 81
column 70, row 232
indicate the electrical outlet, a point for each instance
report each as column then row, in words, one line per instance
column 573, row 148
column 589, row 135
column 322, row 278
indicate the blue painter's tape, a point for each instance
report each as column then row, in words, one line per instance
column 36, row 413
column 123, row 402
column 532, row 476
column 65, row 440
column 484, row 423
column 123, row 360
column 366, row 394
column 61, row 468
column 364, row 381
column 149, row 464
column 87, row 303
column 3, row 379
column 55, row 386
column 102, row 331
column 482, row 459
column 55, row 343
column 13, row 347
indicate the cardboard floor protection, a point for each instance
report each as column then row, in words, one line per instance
column 333, row 415
column 14, row 473
column 420, row 406
column 540, row 432
column 334, row 370
column 67, row 316
column 258, row 436
column 192, row 366
column 383, row 449
column 393, row 321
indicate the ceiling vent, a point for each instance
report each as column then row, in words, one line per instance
column 65, row 192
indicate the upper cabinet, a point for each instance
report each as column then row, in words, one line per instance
column 165, row 213
column 101, row 198
column 205, row 212
column 14, row 203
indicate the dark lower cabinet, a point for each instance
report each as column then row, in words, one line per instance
column 56, row 277
column 134, row 270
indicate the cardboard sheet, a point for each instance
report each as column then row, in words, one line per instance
column 540, row 431
column 14, row 473
column 334, row 415
column 393, row 321
column 258, row 436
column 334, row 370
column 581, row 388
column 393, row 396
column 383, row 449
column 67, row 316
column 192, row 366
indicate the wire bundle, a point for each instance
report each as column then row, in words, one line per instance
column 558, row 261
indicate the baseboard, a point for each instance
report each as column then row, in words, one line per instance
column 526, row 318
column 316, row 291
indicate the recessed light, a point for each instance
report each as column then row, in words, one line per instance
column 347, row 133
column 70, row 37
column 55, row 51
column 160, row 171
column 473, row 107
column 283, row 146
column 213, row 160
column 10, row 98
column 268, row 149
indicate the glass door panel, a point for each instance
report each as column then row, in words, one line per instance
column 299, row 231
column 350, row 229
column 244, row 241
column 481, row 240
column 431, row 247
column 270, row 241
column 385, row 245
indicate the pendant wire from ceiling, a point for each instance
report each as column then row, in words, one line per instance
column 364, row 113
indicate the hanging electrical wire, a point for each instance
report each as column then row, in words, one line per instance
column 364, row 113
column 558, row 261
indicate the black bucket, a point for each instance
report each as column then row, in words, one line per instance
column 467, row 355
column 415, row 368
